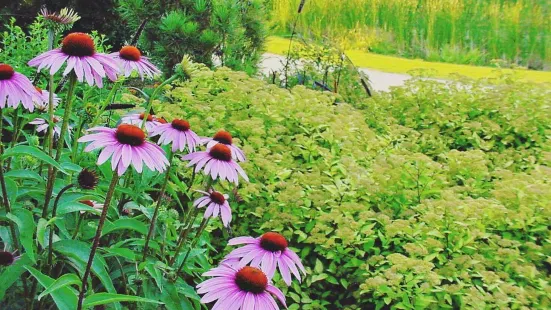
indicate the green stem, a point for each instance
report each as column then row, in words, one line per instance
column 75, row 139
column 108, row 198
column 54, row 213
column 61, row 141
column 157, row 206
column 5, row 199
column 204, row 224
column 77, row 228
column 107, row 101
column 184, row 233
column 153, row 95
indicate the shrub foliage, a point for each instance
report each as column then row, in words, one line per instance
column 431, row 196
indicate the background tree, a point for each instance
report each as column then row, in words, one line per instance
column 229, row 30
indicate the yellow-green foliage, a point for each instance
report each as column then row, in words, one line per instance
column 464, row 31
column 431, row 196
column 364, row 59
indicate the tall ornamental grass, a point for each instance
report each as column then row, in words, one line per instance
column 465, row 31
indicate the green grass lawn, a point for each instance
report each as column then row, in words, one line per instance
column 278, row 45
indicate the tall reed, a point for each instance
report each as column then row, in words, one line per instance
column 515, row 31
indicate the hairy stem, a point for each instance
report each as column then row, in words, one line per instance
column 204, row 224
column 158, row 202
column 61, row 141
column 54, row 213
column 108, row 198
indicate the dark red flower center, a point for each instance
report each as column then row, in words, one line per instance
column 87, row 202
column 6, row 72
column 223, row 137
column 161, row 120
column 38, row 89
column 130, row 53
column 78, row 44
column 217, row 198
column 273, row 242
column 87, row 179
column 180, row 124
column 251, row 279
column 130, row 134
column 220, row 152
column 149, row 117
column 6, row 258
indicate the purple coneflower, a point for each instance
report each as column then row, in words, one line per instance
column 217, row 162
column 268, row 252
column 247, row 288
column 93, row 204
column 79, row 51
column 125, row 145
column 130, row 59
column 65, row 17
column 42, row 125
column 16, row 88
column 44, row 99
column 225, row 138
column 178, row 133
column 137, row 120
column 216, row 203
column 7, row 258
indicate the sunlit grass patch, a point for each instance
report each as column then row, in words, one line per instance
column 278, row 45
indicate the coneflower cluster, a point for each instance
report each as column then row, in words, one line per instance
column 244, row 278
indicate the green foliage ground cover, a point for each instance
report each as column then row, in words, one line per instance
column 431, row 196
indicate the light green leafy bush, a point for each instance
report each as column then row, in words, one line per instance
column 432, row 196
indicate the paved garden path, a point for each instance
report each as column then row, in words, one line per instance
column 380, row 81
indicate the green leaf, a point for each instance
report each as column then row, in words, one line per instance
column 107, row 298
column 13, row 190
column 24, row 220
column 11, row 273
column 173, row 301
column 155, row 273
column 24, row 174
column 79, row 252
column 75, row 206
column 34, row 152
column 128, row 224
column 63, row 281
column 65, row 298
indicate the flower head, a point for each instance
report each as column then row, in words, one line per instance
column 217, row 162
column 125, row 145
column 130, row 59
column 137, row 120
column 79, row 52
column 7, row 258
column 42, row 125
column 44, row 99
column 16, row 88
column 225, row 138
column 267, row 252
column 87, row 179
column 61, row 20
column 93, row 204
column 178, row 132
column 216, row 203
column 247, row 288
